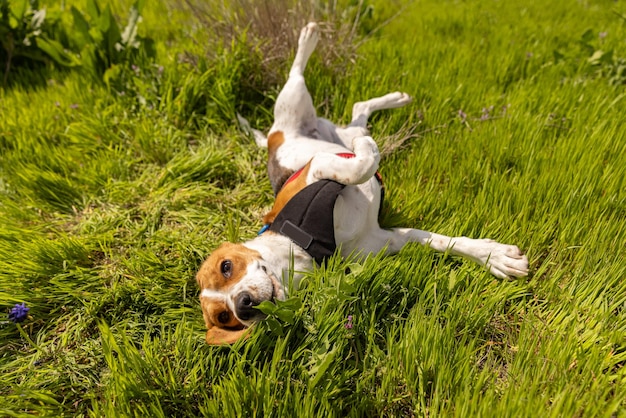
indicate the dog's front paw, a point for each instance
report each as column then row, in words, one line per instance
column 364, row 147
column 365, row 163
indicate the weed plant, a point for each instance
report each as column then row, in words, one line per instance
column 112, row 195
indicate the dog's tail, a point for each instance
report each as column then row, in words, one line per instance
column 259, row 137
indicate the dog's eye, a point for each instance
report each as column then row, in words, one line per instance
column 226, row 268
column 223, row 317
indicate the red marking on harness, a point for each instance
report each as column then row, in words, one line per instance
column 293, row 176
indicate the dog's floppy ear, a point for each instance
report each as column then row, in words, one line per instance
column 219, row 336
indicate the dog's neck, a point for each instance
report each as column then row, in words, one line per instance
column 284, row 257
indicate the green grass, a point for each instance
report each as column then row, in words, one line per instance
column 108, row 207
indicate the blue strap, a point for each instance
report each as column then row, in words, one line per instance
column 265, row 228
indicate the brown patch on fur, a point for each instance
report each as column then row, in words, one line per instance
column 211, row 311
column 219, row 336
column 286, row 193
column 274, row 141
column 210, row 276
column 278, row 174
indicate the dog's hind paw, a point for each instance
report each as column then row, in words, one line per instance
column 309, row 35
column 504, row 260
column 397, row 99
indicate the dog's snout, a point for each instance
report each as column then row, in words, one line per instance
column 245, row 300
column 244, row 305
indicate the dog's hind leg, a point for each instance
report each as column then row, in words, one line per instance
column 361, row 111
column 502, row 260
column 309, row 35
column 294, row 110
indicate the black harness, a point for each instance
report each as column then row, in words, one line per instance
column 307, row 219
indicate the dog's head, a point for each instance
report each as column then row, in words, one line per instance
column 233, row 280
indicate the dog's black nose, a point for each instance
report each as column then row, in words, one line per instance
column 244, row 304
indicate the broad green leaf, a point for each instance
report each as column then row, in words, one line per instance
column 293, row 303
column 275, row 326
column 81, row 29
column 18, row 8
column 55, row 51
column 267, row 307
column 285, row 315
column 13, row 22
column 93, row 9
column 105, row 19
column 347, row 288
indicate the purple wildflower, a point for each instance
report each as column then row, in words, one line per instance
column 74, row 106
column 349, row 323
column 462, row 115
column 486, row 111
column 602, row 35
column 19, row 312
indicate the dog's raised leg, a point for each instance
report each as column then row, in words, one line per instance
column 502, row 260
column 294, row 110
column 361, row 111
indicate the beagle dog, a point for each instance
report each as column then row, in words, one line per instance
column 328, row 196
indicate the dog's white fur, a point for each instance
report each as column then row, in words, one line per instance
column 306, row 140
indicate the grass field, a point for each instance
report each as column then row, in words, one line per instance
column 109, row 202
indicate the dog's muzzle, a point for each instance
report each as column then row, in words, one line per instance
column 245, row 307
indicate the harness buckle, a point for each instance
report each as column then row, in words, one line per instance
column 296, row 234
